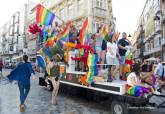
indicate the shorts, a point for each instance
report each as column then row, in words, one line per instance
column 112, row 61
column 98, row 49
column 122, row 60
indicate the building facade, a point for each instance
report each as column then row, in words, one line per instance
column 13, row 35
column 163, row 27
column 149, row 39
column 31, row 39
column 98, row 11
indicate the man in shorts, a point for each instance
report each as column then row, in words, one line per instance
column 122, row 45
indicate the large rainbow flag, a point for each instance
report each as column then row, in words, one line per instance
column 84, row 34
column 44, row 16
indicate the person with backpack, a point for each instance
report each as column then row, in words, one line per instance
column 22, row 73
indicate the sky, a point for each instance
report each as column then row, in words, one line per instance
column 127, row 12
column 8, row 8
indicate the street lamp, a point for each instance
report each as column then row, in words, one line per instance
column 129, row 35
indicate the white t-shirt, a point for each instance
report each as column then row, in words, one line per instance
column 111, row 50
column 130, row 76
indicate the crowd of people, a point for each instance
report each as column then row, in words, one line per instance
column 142, row 78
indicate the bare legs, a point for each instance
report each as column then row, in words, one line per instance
column 55, row 90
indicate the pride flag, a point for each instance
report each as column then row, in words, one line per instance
column 84, row 34
column 50, row 42
column 104, row 33
column 64, row 36
column 44, row 16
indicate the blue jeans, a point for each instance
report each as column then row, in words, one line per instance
column 24, row 90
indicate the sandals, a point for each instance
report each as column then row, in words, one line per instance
column 22, row 108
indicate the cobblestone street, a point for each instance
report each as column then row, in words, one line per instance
column 38, row 102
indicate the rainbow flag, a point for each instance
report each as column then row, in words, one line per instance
column 84, row 34
column 44, row 16
column 92, row 67
column 64, row 36
column 104, row 33
column 50, row 42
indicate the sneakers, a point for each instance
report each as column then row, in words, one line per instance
column 22, row 108
column 157, row 93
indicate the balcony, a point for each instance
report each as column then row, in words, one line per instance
column 163, row 19
column 7, row 52
column 153, row 50
column 157, row 10
column 139, row 42
column 99, row 12
column 158, row 29
column 163, row 41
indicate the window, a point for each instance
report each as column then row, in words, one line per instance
column 100, row 3
column 80, row 6
column 96, row 25
column 159, row 40
column 62, row 13
column 70, row 11
column 15, row 28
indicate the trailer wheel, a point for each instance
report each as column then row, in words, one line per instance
column 119, row 108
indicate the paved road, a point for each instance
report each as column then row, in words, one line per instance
column 38, row 102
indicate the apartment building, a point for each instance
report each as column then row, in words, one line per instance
column 13, row 35
column 31, row 39
column 149, row 39
column 98, row 11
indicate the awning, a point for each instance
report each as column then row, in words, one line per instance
column 152, row 59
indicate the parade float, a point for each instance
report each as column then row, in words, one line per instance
column 55, row 45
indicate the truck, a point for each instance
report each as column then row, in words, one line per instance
column 114, row 92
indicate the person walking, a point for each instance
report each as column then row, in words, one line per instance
column 53, row 70
column 22, row 74
column 122, row 45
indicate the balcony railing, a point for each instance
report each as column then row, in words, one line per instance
column 163, row 41
column 153, row 50
column 157, row 10
column 100, row 12
column 158, row 28
column 163, row 18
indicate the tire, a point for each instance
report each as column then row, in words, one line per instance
column 119, row 108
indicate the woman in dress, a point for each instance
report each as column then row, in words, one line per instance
column 112, row 57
